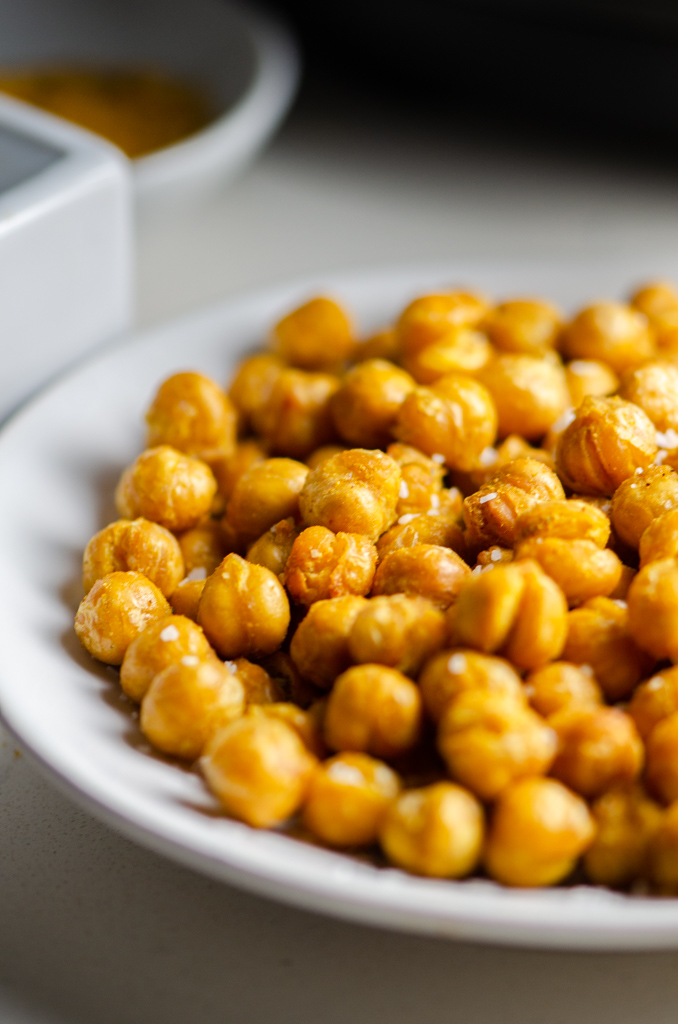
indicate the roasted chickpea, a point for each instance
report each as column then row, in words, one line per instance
column 654, row 387
column 492, row 513
column 259, row 770
column 665, row 330
column 398, row 631
column 348, row 798
column 611, row 332
column 561, row 685
column 316, row 336
column 606, row 442
column 138, row 546
column 296, row 417
column 366, row 405
column 355, row 491
column 320, row 645
column 421, row 483
column 267, row 493
column 567, row 520
column 488, row 740
column 292, row 685
column 654, row 700
column 511, row 448
column 323, row 564
column 243, row 609
column 203, row 547
column 580, row 568
column 186, row 598
column 252, row 385
column 324, row 453
column 115, row 610
column 661, row 773
column 167, row 487
column 461, row 350
column 304, row 722
column 163, row 642
column 373, row 709
column 598, row 635
column 653, row 609
column 431, row 317
column 663, row 853
column 598, row 748
column 191, row 413
column 660, row 539
column 626, row 821
column 529, row 393
column 425, row 570
column 452, row 672
column 258, row 685
column 640, row 499
column 187, row 702
column 435, row 831
column 528, row 326
column 654, row 298
column 589, row 377
column 273, row 547
column 382, row 345
column 430, row 528
column 229, row 468
column 538, row 832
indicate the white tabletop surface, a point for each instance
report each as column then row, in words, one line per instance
column 94, row 929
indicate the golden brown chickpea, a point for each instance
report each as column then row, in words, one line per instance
column 461, row 350
column 611, row 332
column 424, row 570
column 589, row 377
column 455, row 418
column 353, row 492
column 488, row 740
column 167, row 487
column 203, row 547
column 654, row 700
column 187, row 702
column 429, row 318
column 436, row 527
column 661, row 774
column 324, row 453
column 186, row 598
column 243, row 609
column 515, row 610
column 435, row 831
column 323, row 564
column 455, row 671
column 348, row 798
column 252, row 384
column 598, row 635
column 163, row 642
column 640, row 499
column 258, row 685
column 606, row 442
column 259, row 770
column 567, row 520
column 265, row 494
column 626, row 821
column 319, row 647
column 228, row 470
column 296, row 417
column 316, row 336
column 492, row 513
column 528, row 326
column 654, row 298
column 663, row 853
column 653, row 609
column 421, row 478
column 366, row 405
column 398, row 631
column 138, row 546
column 660, row 539
column 665, row 330
column 304, row 723
column 538, row 832
column 580, row 568
column 561, row 685
column 598, row 748
column 511, row 448
column 191, row 413
column 116, row 609
column 273, row 547
column 373, row 709
column 530, row 394
column 382, row 345
column 654, row 387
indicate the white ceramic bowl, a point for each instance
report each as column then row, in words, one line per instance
column 245, row 61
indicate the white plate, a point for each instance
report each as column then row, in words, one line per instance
column 59, row 460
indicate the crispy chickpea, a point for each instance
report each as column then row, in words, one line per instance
column 598, row 635
column 382, row 345
column 322, row 454
column 539, row 830
column 191, row 413
column 116, row 609
column 437, row 527
column 665, row 330
column 259, row 770
column 654, row 387
column 488, row 740
column 305, row 723
column 660, row 539
column 567, row 520
column 654, row 700
column 323, row 564
column 366, row 405
column 289, row 680
column 640, row 499
column 561, row 685
column 511, row 448
column 355, row 491
column 139, row 546
column 529, row 393
column 436, row 831
column 319, row 647
column 515, row 610
column 606, row 442
column 398, row 631
column 203, row 547
column 492, row 513
column 580, row 568
column 316, row 336
column 462, row 349
column 589, row 377
column 167, row 487
column 452, row 672
column 163, row 642
column 264, row 495
column 663, row 853
column 186, row 598
column 429, row 318
column 612, row 332
column 455, row 417
column 626, row 821
column 252, row 385
column 243, row 609
column 598, row 748
column 654, row 298
column 661, row 774
column 273, row 547
column 526, row 326
column 348, row 798
column 296, row 417
column 421, row 483
column 187, row 702
column 228, row 469
column 425, row 570
column 653, row 609
column 259, row 686
column 373, row 709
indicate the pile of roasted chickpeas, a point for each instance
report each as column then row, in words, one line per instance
column 418, row 594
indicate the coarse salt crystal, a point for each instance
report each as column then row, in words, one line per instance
column 440, row 459
column 190, row 660
column 170, row 633
column 457, row 664
column 488, row 497
column 199, row 573
column 404, row 491
column 407, row 518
